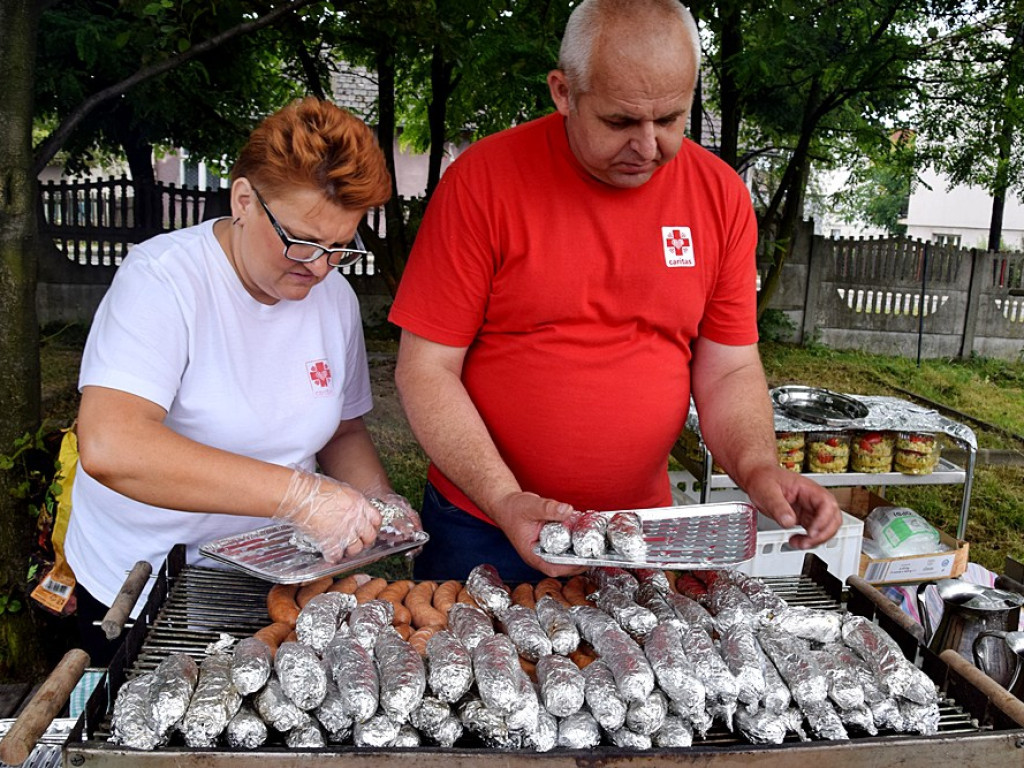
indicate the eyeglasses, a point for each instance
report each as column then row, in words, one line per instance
column 305, row 252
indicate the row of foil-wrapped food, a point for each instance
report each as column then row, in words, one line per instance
column 635, row 659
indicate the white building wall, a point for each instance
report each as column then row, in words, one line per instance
column 939, row 211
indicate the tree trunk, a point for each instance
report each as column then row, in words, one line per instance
column 392, row 250
column 20, row 394
column 437, row 109
column 731, row 98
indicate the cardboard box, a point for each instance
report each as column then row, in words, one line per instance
column 901, row 570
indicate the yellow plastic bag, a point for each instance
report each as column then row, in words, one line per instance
column 57, row 586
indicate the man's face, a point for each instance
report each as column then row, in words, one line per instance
column 632, row 119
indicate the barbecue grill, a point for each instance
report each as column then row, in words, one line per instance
column 190, row 608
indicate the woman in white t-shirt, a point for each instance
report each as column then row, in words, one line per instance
column 225, row 378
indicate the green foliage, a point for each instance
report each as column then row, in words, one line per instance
column 32, row 466
column 775, row 325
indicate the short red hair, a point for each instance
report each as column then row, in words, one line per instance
column 315, row 144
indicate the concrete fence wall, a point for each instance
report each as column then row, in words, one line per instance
column 895, row 296
column 905, row 297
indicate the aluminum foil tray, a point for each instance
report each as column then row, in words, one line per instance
column 693, row 536
column 269, row 554
column 818, row 406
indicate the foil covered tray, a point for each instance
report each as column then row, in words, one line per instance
column 693, row 536
column 270, row 554
column 818, row 406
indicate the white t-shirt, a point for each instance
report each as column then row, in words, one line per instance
column 272, row 382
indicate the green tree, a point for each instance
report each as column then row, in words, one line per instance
column 19, row 333
column 799, row 84
column 970, row 118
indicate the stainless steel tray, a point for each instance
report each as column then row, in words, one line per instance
column 690, row 536
column 818, row 406
column 268, row 554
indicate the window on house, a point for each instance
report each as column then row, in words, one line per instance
column 942, row 239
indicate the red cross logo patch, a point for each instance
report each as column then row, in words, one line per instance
column 678, row 246
column 320, row 377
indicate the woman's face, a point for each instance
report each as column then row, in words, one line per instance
column 304, row 214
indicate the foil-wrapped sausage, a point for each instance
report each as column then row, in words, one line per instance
column 488, row 590
column 333, row 715
column 632, row 617
column 488, row 725
column 246, row 730
column 777, row 698
column 588, row 535
column 653, row 599
column 691, row 612
column 276, row 709
column 729, row 604
column 897, row 676
column 625, row 533
column 368, row 620
column 624, row 738
column 555, row 538
column 674, row 732
column 602, row 696
column 523, row 628
column 759, row 726
column 558, row 625
column 824, row 721
column 496, row 669
column 355, row 674
column 173, row 688
column 579, row 731
column 378, row 730
column 720, row 685
column 654, row 578
column 130, row 725
column 646, row 717
column 543, row 737
column 823, row 627
column 561, row 685
column 318, row 621
column 214, row 702
column 619, row 578
column 302, row 676
column 634, row 677
column 469, row 624
column 745, row 659
column 435, row 720
column 251, row 664
column 403, row 678
column 449, row 666
column 792, row 658
column 760, row 593
column 675, row 673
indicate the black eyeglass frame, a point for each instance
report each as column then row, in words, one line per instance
column 348, row 256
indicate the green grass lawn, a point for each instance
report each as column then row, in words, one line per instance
column 985, row 389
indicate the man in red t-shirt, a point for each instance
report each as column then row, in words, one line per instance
column 574, row 280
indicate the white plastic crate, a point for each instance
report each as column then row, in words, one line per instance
column 775, row 556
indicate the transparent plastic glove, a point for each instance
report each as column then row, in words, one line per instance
column 397, row 513
column 337, row 517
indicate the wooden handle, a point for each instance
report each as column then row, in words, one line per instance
column 887, row 607
column 51, row 697
column 113, row 622
column 1001, row 698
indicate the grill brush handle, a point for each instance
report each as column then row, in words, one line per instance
column 114, row 621
column 49, row 700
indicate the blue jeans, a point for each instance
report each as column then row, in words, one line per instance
column 459, row 542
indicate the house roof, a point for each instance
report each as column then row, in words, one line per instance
column 355, row 89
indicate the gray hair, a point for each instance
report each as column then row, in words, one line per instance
column 586, row 21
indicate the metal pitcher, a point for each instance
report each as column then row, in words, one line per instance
column 987, row 654
column 968, row 610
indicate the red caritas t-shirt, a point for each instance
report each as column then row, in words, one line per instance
column 578, row 303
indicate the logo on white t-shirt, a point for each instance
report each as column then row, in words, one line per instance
column 320, row 378
column 678, row 246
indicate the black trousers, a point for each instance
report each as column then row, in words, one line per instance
column 91, row 637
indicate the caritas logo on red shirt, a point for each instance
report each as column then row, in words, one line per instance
column 320, row 378
column 678, row 246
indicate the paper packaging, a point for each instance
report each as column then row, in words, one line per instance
column 902, row 570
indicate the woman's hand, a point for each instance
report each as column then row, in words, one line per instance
column 338, row 518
